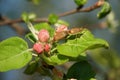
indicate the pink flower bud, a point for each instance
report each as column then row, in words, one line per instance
column 38, row 48
column 61, row 28
column 43, row 35
column 47, row 47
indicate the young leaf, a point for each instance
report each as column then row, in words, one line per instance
column 93, row 79
column 28, row 16
column 81, row 71
column 25, row 17
column 62, row 22
column 45, row 26
column 36, row 2
column 14, row 54
column 106, row 8
column 32, row 16
column 74, row 48
column 80, row 2
column 53, row 18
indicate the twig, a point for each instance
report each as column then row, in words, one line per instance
column 88, row 9
column 13, row 24
column 20, row 21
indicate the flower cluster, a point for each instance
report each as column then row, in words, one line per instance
column 42, row 45
column 43, row 35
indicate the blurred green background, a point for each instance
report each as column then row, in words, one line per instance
column 14, row 8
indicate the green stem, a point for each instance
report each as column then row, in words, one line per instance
column 31, row 49
column 34, row 54
column 53, row 50
column 32, row 29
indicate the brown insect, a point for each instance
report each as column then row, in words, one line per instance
column 61, row 35
column 75, row 30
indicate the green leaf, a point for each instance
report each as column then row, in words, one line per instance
column 32, row 67
column 93, row 79
column 25, row 17
column 52, row 18
column 44, row 71
column 14, row 54
column 106, row 9
column 31, row 37
column 31, row 16
column 81, row 57
column 28, row 16
column 80, row 2
column 77, row 46
column 55, row 59
column 36, row 2
column 45, row 26
column 80, row 71
column 62, row 22
column 108, row 59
